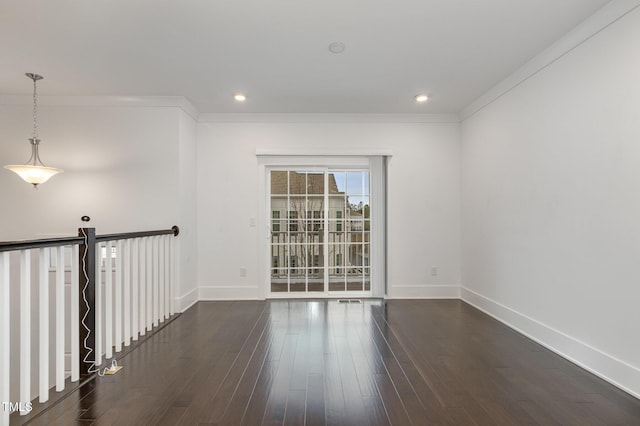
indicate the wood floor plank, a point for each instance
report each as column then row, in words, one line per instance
column 315, row 409
column 393, row 405
column 295, row 410
column 244, row 390
column 354, row 406
column 256, row 406
column 279, row 392
column 376, row 413
column 335, row 409
column 318, row 362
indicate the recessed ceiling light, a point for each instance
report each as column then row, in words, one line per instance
column 337, row 47
column 239, row 97
column 422, row 98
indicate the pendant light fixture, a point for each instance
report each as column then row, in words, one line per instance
column 34, row 171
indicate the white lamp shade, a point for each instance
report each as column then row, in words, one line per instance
column 34, row 175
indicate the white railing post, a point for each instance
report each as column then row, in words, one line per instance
column 25, row 326
column 43, row 329
column 156, row 260
column 172, row 274
column 75, row 314
column 162, row 284
column 167, row 275
column 5, row 335
column 143, row 285
column 135, row 288
column 97, row 356
column 60, row 310
column 118, row 295
column 108, row 302
column 150, row 274
column 126, row 259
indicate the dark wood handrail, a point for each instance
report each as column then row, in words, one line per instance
column 65, row 241
column 125, row 236
column 46, row 242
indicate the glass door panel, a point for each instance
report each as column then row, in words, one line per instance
column 320, row 228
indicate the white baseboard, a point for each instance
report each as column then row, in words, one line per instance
column 603, row 365
column 230, row 292
column 424, row 292
column 186, row 301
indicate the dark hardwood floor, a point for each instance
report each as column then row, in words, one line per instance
column 422, row 362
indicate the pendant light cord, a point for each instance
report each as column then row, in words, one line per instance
column 35, row 111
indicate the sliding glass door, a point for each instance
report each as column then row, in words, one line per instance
column 320, row 226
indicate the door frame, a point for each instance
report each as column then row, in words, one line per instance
column 266, row 163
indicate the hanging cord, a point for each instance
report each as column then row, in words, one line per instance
column 92, row 364
column 35, row 110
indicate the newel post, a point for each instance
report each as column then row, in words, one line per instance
column 87, row 271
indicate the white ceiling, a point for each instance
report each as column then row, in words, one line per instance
column 276, row 51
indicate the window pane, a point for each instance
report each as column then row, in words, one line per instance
column 297, row 183
column 356, row 256
column 279, row 287
column 316, row 285
column 336, row 204
column 315, row 183
column 279, row 237
column 337, row 283
column 315, row 209
column 293, row 216
column 355, row 184
column 275, row 221
column 355, row 284
column 279, row 255
column 336, row 183
column 298, row 274
column 278, row 182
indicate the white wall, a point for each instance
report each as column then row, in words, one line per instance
column 423, row 200
column 120, row 167
column 551, row 201
column 187, row 212
column 130, row 168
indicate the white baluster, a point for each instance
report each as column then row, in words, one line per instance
column 126, row 259
column 75, row 314
column 43, row 330
column 60, row 310
column 97, row 355
column 161, row 283
column 172, row 274
column 118, row 295
column 108, row 302
column 25, row 326
column 149, row 282
column 135, row 288
column 167, row 275
column 143, row 285
column 155, row 280
column 5, row 334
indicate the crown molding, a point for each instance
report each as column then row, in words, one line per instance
column 603, row 18
column 326, row 118
column 107, row 101
column 323, row 152
column 184, row 104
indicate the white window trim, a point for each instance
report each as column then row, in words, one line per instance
column 374, row 161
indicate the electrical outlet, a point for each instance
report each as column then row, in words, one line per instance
column 434, row 271
column 243, row 271
column 113, row 370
